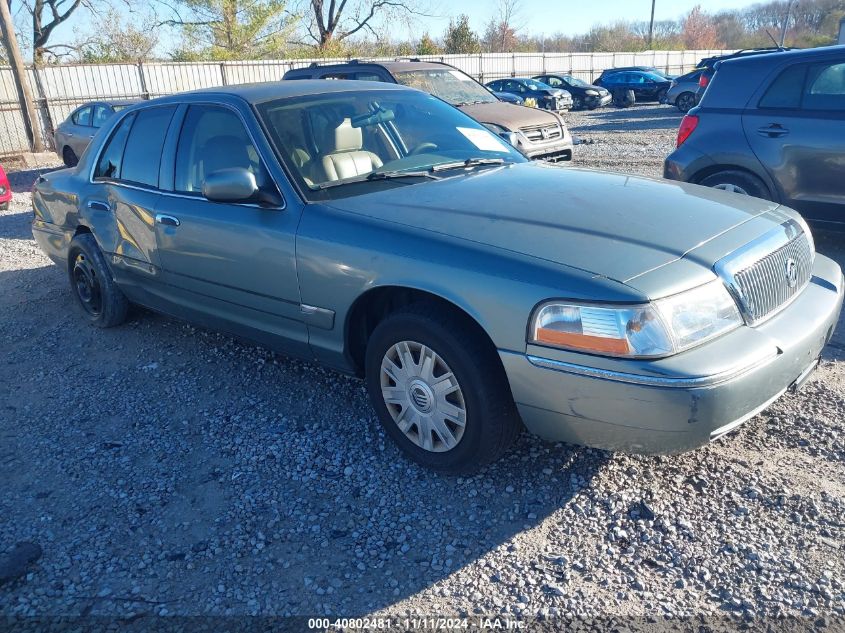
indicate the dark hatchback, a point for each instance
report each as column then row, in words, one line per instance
column 547, row 97
column 771, row 126
column 584, row 95
column 647, row 86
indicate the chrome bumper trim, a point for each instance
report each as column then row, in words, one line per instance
column 679, row 382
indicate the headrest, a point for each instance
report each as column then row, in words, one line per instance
column 347, row 138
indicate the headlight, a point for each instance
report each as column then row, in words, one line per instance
column 591, row 93
column 660, row 328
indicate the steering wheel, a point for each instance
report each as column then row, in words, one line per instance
column 422, row 147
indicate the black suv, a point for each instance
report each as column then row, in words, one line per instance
column 537, row 133
column 771, row 126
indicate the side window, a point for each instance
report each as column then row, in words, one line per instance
column 554, row 82
column 214, row 138
column 101, row 115
column 108, row 168
column 825, row 87
column 785, row 91
column 142, row 158
column 611, row 79
column 83, row 116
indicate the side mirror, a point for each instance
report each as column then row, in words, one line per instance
column 230, row 185
column 236, row 184
column 511, row 138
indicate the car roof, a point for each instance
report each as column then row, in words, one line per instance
column 796, row 54
column 266, row 91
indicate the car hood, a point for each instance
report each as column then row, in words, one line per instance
column 612, row 225
column 509, row 115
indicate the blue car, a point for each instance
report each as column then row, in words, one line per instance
column 547, row 98
column 507, row 97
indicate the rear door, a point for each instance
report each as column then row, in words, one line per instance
column 229, row 261
column 797, row 131
column 122, row 199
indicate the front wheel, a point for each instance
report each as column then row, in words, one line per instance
column 440, row 390
column 69, row 157
column 577, row 102
column 93, row 287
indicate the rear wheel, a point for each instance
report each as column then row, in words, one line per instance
column 90, row 279
column 737, row 181
column 685, row 102
column 661, row 96
column 69, row 157
column 439, row 389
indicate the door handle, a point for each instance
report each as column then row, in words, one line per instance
column 773, row 130
column 167, row 220
column 97, row 205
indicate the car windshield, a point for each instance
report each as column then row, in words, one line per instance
column 117, row 107
column 574, row 81
column 533, row 84
column 450, row 84
column 342, row 138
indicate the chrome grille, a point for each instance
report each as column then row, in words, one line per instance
column 768, row 273
column 540, row 133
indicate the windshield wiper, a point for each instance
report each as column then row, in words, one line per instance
column 378, row 175
column 469, row 162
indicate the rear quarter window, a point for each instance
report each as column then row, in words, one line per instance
column 785, row 91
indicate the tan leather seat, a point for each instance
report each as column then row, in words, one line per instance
column 347, row 159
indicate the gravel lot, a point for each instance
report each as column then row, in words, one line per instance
column 163, row 469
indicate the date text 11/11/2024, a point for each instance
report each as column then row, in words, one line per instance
column 479, row 623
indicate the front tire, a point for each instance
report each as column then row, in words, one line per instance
column 95, row 291
column 69, row 157
column 439, row 389
column 577, row 102
column 738, row 182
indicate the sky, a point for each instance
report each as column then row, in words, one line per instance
column 570, row 16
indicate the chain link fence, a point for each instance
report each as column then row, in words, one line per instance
column 59, row 89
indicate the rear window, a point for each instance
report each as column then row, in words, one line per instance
column 142, row 157
column 785, row 91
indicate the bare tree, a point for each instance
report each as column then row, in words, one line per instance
column 500, row 36
column 699, row 30
column 336, row 20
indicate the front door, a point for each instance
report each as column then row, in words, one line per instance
column 797, row 131
column 228, row 261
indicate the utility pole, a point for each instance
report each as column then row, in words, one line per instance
column 785, row 22
column 30, row 120
column 651, row 24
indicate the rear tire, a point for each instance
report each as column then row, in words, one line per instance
column 738, row 182
column 4, row 206
column 661, row 96
column 102, row 302
column 69, row 157
column 429, row 370
column 685, row 102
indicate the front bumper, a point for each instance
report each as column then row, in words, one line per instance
column 674, row 407
column 597, row 101
column 553, row 151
